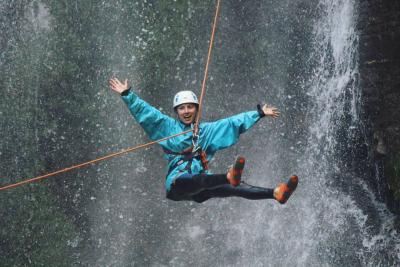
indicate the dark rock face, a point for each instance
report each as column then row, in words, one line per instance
column 379, row 26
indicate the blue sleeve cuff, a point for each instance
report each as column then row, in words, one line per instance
column 260, row 111
column 126, row 92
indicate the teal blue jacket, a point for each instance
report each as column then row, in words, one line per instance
column 213, row 136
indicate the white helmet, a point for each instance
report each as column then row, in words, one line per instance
column 184, row 97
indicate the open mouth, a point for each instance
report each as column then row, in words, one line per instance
column 187, row 118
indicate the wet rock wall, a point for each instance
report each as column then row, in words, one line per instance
column 379, row 26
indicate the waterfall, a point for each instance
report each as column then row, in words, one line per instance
column 344, row 210
column 298, row 55
column 334, row 219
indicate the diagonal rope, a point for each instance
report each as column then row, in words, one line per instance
column 125, row 151
column 128, row 150
column 203, row 85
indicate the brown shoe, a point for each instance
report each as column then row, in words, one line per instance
column 235, row 172
column 283, row 191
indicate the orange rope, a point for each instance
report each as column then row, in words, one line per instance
column 196, row 129
column 90, row 162
column 203, row 86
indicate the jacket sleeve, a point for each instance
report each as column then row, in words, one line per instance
column 156, row 124
column 225, row 132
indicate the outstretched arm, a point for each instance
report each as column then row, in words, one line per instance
column 156, row 124
column 225, row 132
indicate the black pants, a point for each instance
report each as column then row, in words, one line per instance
column 201, row 187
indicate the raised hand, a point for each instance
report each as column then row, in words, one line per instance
column 117, row 86
column 270, row 111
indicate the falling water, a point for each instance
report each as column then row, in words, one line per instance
column 301, row 56
column 349, row 226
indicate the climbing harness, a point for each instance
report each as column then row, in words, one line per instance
column 196, row 148
column 188, row 158
column 188, row 155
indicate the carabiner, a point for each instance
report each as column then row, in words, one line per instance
column 195, row 143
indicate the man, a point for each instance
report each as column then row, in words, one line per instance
column 188, row 177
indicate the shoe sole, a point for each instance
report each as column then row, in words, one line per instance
column 237, row 171
column 291, row 185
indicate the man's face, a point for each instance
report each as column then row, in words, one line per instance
column 187, row 113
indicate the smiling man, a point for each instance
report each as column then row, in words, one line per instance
column 188, row 177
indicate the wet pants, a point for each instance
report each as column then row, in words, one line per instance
column 201, row 187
